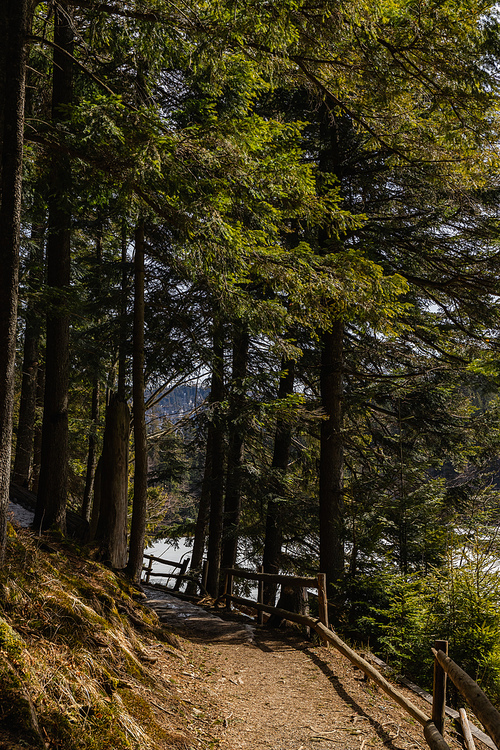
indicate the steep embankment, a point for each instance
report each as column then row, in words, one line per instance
column 83, row 666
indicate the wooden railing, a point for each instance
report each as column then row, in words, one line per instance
column 433, row 727
column 181, row 575
column 178, row 576
column 299, row 582
column 470, row 690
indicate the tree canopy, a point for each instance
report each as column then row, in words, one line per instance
column 289, row 208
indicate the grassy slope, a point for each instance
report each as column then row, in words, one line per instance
column 83, row 666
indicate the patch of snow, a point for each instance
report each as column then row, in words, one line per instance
column 19, row 516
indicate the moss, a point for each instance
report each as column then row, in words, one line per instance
column 139, row 708
column 16, row 709
column 10, row 642
column 100, row 729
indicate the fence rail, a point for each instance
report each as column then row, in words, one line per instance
column 475, row 697
column 180, row 576
column 200, row 581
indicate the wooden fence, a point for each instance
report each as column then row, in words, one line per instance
column 299, row 582
column 433, row 726
column 179, row 576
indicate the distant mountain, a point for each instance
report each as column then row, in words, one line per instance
column 181, row 401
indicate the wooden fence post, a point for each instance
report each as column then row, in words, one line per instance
column 150, row 568
column 228, row 590
column 439, row 689
column 204, row 575
column 260, row 598
column 323, row 603
column 182, row 571
column 478, row 701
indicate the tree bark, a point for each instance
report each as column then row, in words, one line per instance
column 281, row 454
column 14, row 26
column 139, row 510
column 37, row 437
column 27, row 406
column 91, row 455
column 201, row 519
column 113, row 485
column 215, row 439
column 237, row 429
column 53, row 482
column 331, row 463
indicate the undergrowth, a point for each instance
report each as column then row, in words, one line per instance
column 75, row 654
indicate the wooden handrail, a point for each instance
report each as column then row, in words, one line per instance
column 477, row 700
column 298, row 581
column 162, row 560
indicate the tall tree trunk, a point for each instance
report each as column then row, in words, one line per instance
column 91, row 455
column 139, row 510
column 113, row 488
column 14, row 25
column 331, row 464
column 200, row 531
column 53, row 482
column 122, row 349
column 27, row 405
column 37, row 437
column 282, row 440
column 331, row 502
column 216, row 441
column 232, row 502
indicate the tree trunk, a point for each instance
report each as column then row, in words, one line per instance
column 14, row 25
column 37, row 437
column 331, row 454
column 122, row 349
column 27, row 405
column 53, row 482
column 113, row 485
column 215, row 439
column 91, row 456
column 201, row 520
column 232, row 502
column 139, row 510
column 282, row 441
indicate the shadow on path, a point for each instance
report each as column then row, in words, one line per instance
column 349, row 700
column 194, row 621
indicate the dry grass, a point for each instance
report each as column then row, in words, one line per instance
column 76, row 651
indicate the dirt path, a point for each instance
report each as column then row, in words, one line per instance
column 277, row 691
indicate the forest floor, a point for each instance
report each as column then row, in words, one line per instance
column 274, row 689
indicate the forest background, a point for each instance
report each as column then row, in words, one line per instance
column 291, row 207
